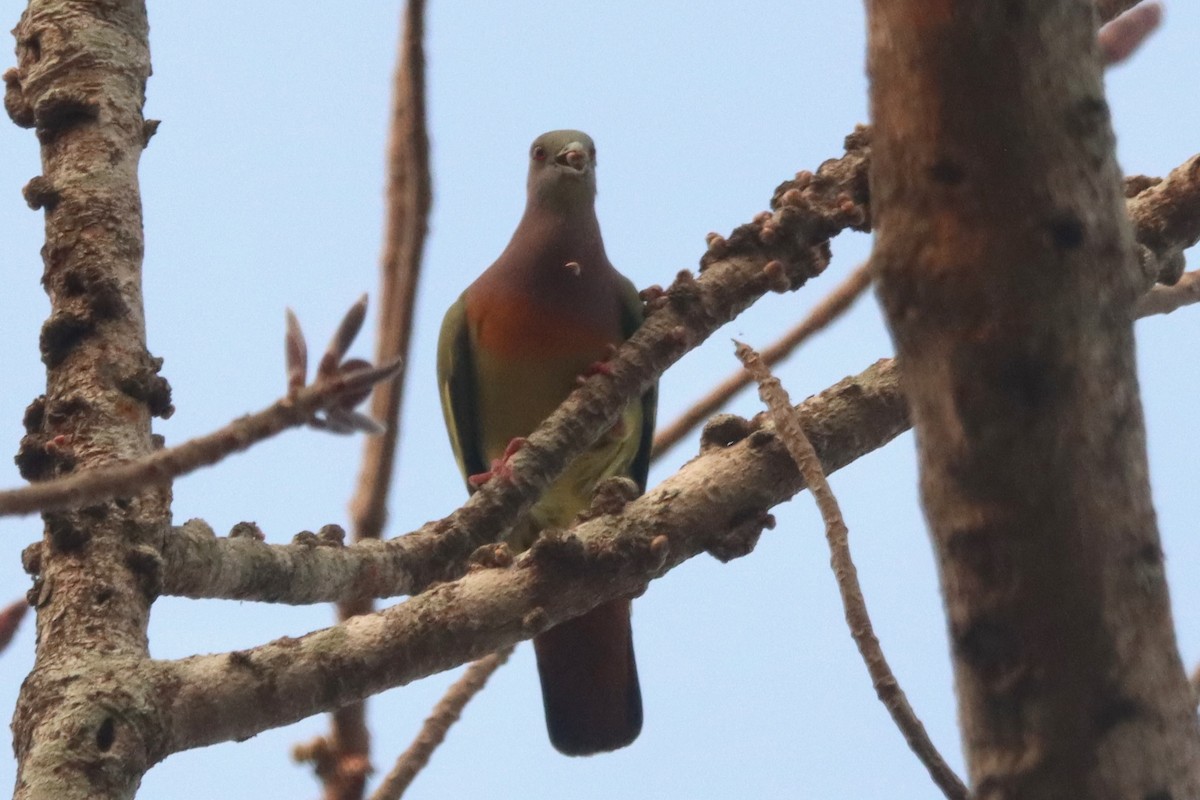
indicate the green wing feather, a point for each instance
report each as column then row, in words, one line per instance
column 631, row 320
column 456, row 387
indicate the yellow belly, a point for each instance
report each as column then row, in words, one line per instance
column 515, row 396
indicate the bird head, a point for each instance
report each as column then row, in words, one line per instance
column 562, row 168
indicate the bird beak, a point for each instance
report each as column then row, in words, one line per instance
column 573, row 156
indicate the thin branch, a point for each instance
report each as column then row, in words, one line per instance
column 1121, row 37
column 10, row 620
column 1108, row 10
column 163, row 466
column 444, row 714
column 791, row 430
column 718, row 504
column 1165, row 299
column 328, row 395
column 409, row 197
column 822, row 315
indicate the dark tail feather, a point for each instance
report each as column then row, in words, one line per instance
column 589, row 681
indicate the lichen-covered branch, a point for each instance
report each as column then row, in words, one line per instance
column 719, row 503
column 316, row 568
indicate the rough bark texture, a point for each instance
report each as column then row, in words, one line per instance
column 1005, row 266
column 79, row 728
column 215, row 698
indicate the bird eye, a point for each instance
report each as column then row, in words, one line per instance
column 539, row 153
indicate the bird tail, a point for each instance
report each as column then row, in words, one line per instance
column 589, row 681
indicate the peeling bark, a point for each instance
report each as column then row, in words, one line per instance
column 1006, row 267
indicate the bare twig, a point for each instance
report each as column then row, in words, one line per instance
column 1121, row 37
column 824, row 313
column 409, row 197
column 300, row 407
column 791, row 430
column 10, row 620
column 408, row 201
column 1108, row 10
column 1165, row 299
column 444, row 714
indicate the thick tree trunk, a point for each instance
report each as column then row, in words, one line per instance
column 80, row 81
column 1005, row 266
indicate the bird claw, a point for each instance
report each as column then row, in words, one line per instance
column 500, row 467
column 600, row 367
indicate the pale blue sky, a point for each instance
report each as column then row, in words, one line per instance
column 263, row 190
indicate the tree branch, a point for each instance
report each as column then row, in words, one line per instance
column 822, row 315
column 160, row 468
column 1166, row 216
column 200, row 565
column 783, row 248
column 444, row 714
column 10, row 620
column 717, row 503
column 1004, row 261
column 1165, row 299
column 80, row 81
column 791, row 431
column 409, row 197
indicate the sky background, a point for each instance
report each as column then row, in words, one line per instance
column 263, row 190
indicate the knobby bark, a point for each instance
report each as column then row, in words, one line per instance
column 1006, row 267
column 213, row 698
column 79, row 727
column 96, row 712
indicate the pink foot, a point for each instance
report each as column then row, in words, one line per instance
column 500, row 467
column 601, row 367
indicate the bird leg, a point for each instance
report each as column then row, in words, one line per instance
column 601, row 366
column 500, row 467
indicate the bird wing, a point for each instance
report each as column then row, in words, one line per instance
column 632, row 316
column 456, row 387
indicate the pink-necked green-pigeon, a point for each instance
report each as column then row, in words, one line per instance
column 511, row 348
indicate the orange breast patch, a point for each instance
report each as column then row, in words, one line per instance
column 513, row 327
